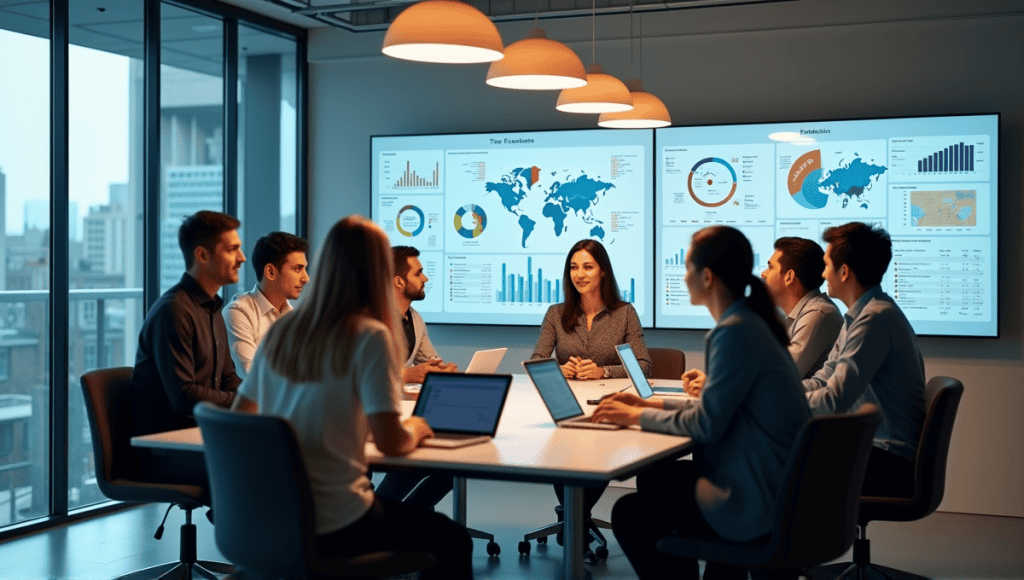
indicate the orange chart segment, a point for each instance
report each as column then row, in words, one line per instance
column 803, row 180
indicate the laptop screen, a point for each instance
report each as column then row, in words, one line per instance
column 463, row 403
column 636, row 374
column 553, row 388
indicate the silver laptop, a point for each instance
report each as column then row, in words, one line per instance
column 486, row 361
column 461, row 408
column 636, row 375
column 558, row 396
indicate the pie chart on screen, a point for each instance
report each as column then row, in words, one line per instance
column 804, row 177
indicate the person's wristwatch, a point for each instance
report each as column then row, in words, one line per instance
column 606, row 375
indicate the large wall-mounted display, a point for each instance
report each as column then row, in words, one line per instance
column 932, row 182
column 494, row 215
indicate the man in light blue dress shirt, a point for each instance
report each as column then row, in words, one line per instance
column 876, row 358
column 793, row 279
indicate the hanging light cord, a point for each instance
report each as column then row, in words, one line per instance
column 593, row 33
column 631, row 39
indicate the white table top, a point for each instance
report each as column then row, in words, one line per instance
column 526, row 447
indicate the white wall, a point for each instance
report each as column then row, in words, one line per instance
column 824, row 59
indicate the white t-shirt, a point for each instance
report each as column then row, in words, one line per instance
column 330, row 419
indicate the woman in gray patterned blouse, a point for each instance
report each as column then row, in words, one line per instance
column 584, row 330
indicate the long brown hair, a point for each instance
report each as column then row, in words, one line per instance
column 727, row 253
column 351, row 282
column 609, row 287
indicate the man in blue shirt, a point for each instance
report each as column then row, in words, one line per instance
column 876, row 358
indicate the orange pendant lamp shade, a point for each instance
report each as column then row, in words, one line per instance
column 602, row 94
column 537, row 63
column 443, row 31
column 648, row 111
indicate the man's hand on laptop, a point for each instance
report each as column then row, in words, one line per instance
column 693, row 382
column 415, row 374
column 418, row 427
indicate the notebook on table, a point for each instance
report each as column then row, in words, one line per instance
column 486, row 361
column 636, row 376
column 461, row 408
column 557, row 395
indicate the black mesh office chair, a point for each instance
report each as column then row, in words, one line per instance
column 667, row 363
column 817, row 502
column 942, row 399
column 265, row 517
column 107, row 405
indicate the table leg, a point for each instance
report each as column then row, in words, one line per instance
column 572, row 525
column 459, row 500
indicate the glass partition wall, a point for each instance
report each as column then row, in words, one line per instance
column 93, row 96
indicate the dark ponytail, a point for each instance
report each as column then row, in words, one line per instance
column 728, row 253
column 761, row 303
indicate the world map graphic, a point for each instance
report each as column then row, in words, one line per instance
column 571, row 197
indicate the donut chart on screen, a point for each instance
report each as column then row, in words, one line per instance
column 464, row 224
column 712, row 182
column 804, row 177
column 413, row 220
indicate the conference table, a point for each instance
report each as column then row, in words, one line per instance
column 527, row 448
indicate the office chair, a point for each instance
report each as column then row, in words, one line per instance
column 591, row 525
column 109, row 411
column 667, row 363
column 942, row 399
column 816, row 505
column 265, row 512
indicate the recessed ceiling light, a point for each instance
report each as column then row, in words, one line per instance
column 205, row 27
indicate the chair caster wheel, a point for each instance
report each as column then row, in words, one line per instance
column 560, row 539
column 542, row 540
column 524, row 548
column 589, row 557
column 601, row 553
column 493, row 549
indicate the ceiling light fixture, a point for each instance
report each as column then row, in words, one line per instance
column 602, row 94
column 443, row 31
column 537, row 63
column 648, row 110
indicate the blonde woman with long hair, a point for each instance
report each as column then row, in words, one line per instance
column 331, row 368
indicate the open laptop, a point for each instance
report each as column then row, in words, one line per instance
column 636, row 375
column 462, row 408
column 558, row 396
column 486, row 361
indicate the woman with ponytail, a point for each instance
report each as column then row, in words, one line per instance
column 744, row 421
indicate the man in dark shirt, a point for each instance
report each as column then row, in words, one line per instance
column 183, row 355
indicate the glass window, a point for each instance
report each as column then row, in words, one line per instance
column 267, row 121
column 24, row 275
column 191, row 126
column 105, row 205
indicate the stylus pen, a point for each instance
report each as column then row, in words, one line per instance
column 598, row 401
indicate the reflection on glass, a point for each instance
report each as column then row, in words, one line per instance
column 267, row 121
column 24, row 273
column 105, row 194
column 191, row 127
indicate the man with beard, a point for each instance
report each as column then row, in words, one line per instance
column 410, row 285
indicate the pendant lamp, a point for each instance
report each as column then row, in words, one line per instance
column 602, row 94
column 537, row 63
column 443, row 31
column 648, row 111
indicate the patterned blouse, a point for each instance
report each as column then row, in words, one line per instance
column 608, row 329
